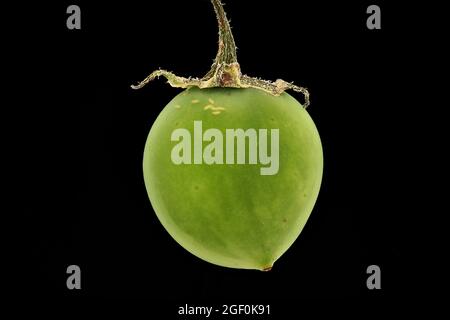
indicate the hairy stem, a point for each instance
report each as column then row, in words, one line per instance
column 226, row 53
column 225, row 71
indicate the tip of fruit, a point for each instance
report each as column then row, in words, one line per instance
column 267, row 268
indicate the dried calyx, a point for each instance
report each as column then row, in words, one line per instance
column 225, row 71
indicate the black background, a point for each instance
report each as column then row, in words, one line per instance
column 88, row 128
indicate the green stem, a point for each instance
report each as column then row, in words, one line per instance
column 225, row 71
column 227, row 47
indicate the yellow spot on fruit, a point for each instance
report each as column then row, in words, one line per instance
column 195, row 101
column 177, row 106
column 213, row 108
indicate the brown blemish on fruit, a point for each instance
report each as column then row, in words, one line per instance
column 284, row 220
column 226, row 79
column 267, row 268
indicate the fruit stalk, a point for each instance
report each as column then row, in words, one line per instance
column 225, row 71
column 227, row 47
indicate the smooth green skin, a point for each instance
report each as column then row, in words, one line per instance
column 230, row 215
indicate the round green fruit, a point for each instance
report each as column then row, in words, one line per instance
column 234, row 214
